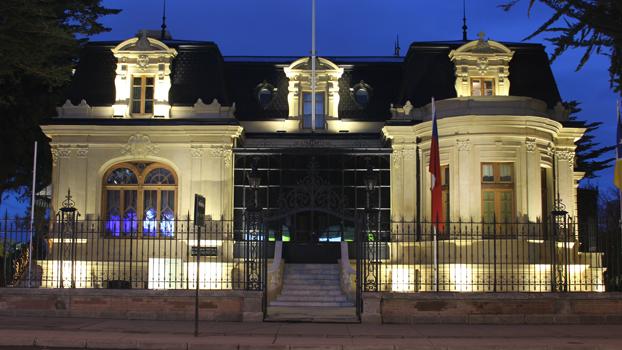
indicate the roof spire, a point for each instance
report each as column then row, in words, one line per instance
column 464, row 21
column 163, row 26
column 396, row 46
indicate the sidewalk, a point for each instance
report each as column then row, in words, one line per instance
column 178, row 335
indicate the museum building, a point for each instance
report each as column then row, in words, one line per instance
column 150, row 122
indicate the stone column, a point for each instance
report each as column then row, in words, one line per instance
column 533, row 181
column 460, row 181
column 565, row 178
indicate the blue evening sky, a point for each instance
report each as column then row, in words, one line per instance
column 362, row 27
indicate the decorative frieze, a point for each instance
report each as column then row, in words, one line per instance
column 82, row 151
column 223, row 152
column 139, row 145
column 196, row 151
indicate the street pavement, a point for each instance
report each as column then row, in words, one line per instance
column 73, row 333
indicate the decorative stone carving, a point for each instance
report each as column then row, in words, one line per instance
column 396, row 158
column 196, row 151
column 139, row 145
column 142, row 61
column 82, row 151
column 550, row 150
column 530, row 144
column 223, row 152
column 70, row 110
column 566, row 155
column 464, row 145
column 409, row 153
column 214, row 109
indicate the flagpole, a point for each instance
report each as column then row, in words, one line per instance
column 435, row 220
column 313, row 65
column 32, row 215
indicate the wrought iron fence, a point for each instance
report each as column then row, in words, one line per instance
column 556, row 255
column 550, row 256
column 132, row 254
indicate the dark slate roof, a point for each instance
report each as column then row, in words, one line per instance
column 429, row 72
column 200, row 71
column 382, row 74
column 196, row 72
column 93, row 80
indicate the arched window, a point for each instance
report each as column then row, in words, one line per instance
column 139, row 200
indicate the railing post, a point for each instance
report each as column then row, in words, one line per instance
column 494, row 252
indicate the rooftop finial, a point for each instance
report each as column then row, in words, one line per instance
column 464, row 21
column 163, row 26
column 396, row 46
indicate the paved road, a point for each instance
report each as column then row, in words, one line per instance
column 177, row 335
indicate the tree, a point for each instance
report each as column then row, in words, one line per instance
column 40, row 40
column 589, row 152
column 592, row 25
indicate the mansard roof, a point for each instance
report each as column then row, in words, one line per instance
column 428, row 72
column 196, row 72
column 382, row 74
column 200, row 71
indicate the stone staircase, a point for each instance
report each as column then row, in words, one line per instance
column 311, row 285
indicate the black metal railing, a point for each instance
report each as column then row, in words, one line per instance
column 557, row 255
column 470, row 256
column 132, row 254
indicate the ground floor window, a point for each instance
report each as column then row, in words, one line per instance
column 497, row 192
column 139, row 200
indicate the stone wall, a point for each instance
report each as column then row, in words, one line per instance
column 493, row 308
column 237, row 306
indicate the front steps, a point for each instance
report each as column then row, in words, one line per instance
column 311, row 293
column 311, row 285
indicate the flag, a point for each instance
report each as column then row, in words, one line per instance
column 617, row 177
column 435, row 174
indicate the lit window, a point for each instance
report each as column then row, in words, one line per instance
column 307, row 123
column 482, row 87
column 498, row 193
column 139, row 200
column 142, row 95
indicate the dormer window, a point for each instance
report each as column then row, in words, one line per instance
column 482, row 68
column 482, row 87
column 142, row 95
column 299, row 93
column 320, row 118
column 142, row 82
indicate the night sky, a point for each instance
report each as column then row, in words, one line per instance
column 364, row 27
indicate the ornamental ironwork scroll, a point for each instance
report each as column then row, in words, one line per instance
column 312, row 192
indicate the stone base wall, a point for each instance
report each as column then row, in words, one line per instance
column 493, row 308
column 240, row 306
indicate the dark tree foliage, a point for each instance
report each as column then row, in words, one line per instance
column 40, row 43
column 589, row 153
column 592, row 25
